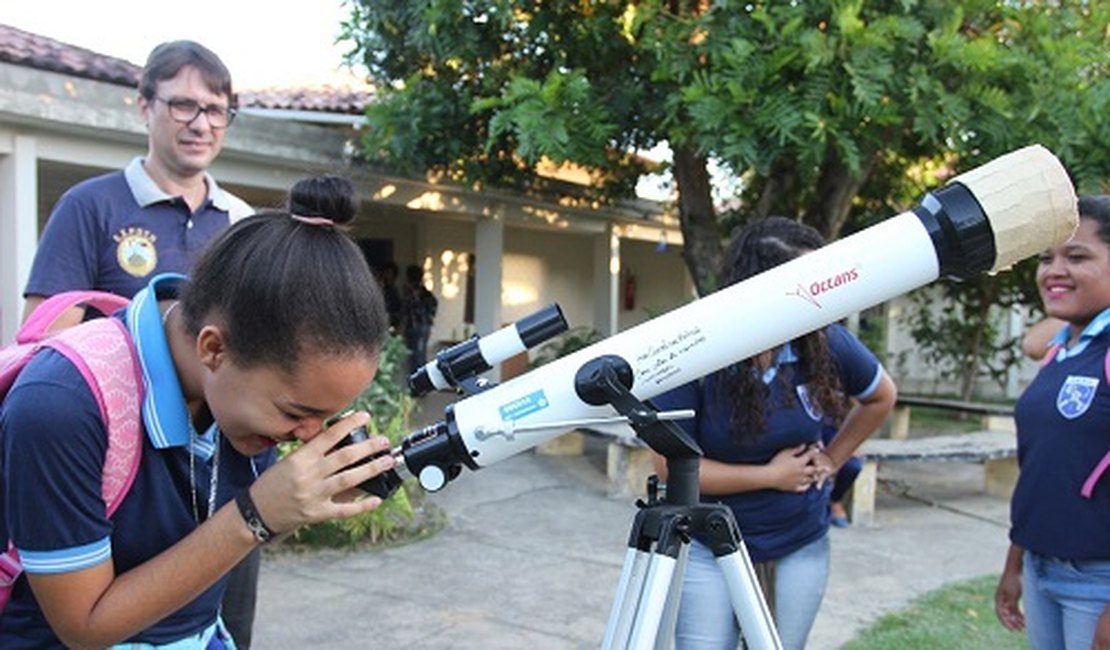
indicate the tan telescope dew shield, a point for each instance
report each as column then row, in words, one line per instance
column 1029, row 201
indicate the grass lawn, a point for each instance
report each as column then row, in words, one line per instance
column 956, row 617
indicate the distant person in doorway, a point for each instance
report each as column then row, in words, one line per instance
column 387, row 277
column 418, row 312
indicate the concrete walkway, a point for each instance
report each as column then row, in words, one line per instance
column 533, row 549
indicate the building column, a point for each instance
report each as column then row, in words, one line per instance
column 489, row 248
column 606, row 289
column 18, row 228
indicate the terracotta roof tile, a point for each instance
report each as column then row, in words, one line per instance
column 328, row 99
column 32, row 50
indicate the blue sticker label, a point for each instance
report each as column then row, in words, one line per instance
column 524, row 406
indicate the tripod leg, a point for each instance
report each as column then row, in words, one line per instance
column 665, row 640
column 751, row 609
column 659, row 582
column 756, row 623
column 627, row 599
column 649, row 616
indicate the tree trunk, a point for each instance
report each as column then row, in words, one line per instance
column 836, row 189
column 975, row 354
column 701, row 235
column 778, row 192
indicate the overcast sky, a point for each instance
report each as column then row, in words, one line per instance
column 263, row 42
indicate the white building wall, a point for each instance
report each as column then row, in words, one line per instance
column 915, row 375
column 662, row 282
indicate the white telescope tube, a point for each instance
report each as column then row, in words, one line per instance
column 984, row 220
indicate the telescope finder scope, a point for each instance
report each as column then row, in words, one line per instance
column 464, row 360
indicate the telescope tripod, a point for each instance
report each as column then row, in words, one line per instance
column 650, row 586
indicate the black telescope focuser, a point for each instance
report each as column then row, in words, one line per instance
column 464, row 360
column 433, row 455
column 960, row 231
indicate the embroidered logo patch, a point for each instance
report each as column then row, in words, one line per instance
column 135, row 251
column 807, row 403
column 1076, row 395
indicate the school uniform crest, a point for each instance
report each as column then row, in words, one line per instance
column 135, row 251
column 1076, row 395
column 807, row 403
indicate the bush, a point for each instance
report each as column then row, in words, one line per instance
column 389, row 405
column 566, row 343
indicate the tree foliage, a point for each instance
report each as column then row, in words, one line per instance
column 835, row 112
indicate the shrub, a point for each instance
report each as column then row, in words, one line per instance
column 566, row 343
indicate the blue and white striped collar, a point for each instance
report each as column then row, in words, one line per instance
column 165, row 413
column 1097, row 326
column 785, row 355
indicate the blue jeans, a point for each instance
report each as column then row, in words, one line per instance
column 705, row 616
column 1063, row 600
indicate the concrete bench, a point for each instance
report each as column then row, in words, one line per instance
column 992, row 417
column 996, row 450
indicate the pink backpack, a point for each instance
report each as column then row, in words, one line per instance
column 104, row 354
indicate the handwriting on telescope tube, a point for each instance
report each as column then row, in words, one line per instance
column 660, row 360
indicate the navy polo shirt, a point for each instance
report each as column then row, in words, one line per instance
column 1063, row 431
column 51, row 458
column 117, row 231
column 774, row 523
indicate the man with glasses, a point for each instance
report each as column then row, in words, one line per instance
column 113, row 232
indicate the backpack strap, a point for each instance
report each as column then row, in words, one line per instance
column 1050, row 354
column 43, row 318
column 1104, row 464
column 103, row 353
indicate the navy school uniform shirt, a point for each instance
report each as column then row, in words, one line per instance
column 51, row 459
column 117, row 231
column 1063, row 431
column 774, row 523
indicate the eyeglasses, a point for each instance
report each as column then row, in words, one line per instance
column 186, row 110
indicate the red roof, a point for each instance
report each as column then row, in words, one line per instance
column 34, row 51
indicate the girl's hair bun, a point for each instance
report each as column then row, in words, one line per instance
column 327, row 196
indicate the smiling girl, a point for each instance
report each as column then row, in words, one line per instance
column 1058, row 564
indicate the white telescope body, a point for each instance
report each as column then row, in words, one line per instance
column 708, row 334
column 985, row 220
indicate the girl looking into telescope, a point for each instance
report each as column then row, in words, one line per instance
column 759, row 423
column 1058, row 564
column 279, row 327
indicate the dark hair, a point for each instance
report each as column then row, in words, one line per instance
column 284, row 288
column 328, row 196
column 760, row 246
column 1096, row 207
column 167, row 59
column 413, row 274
